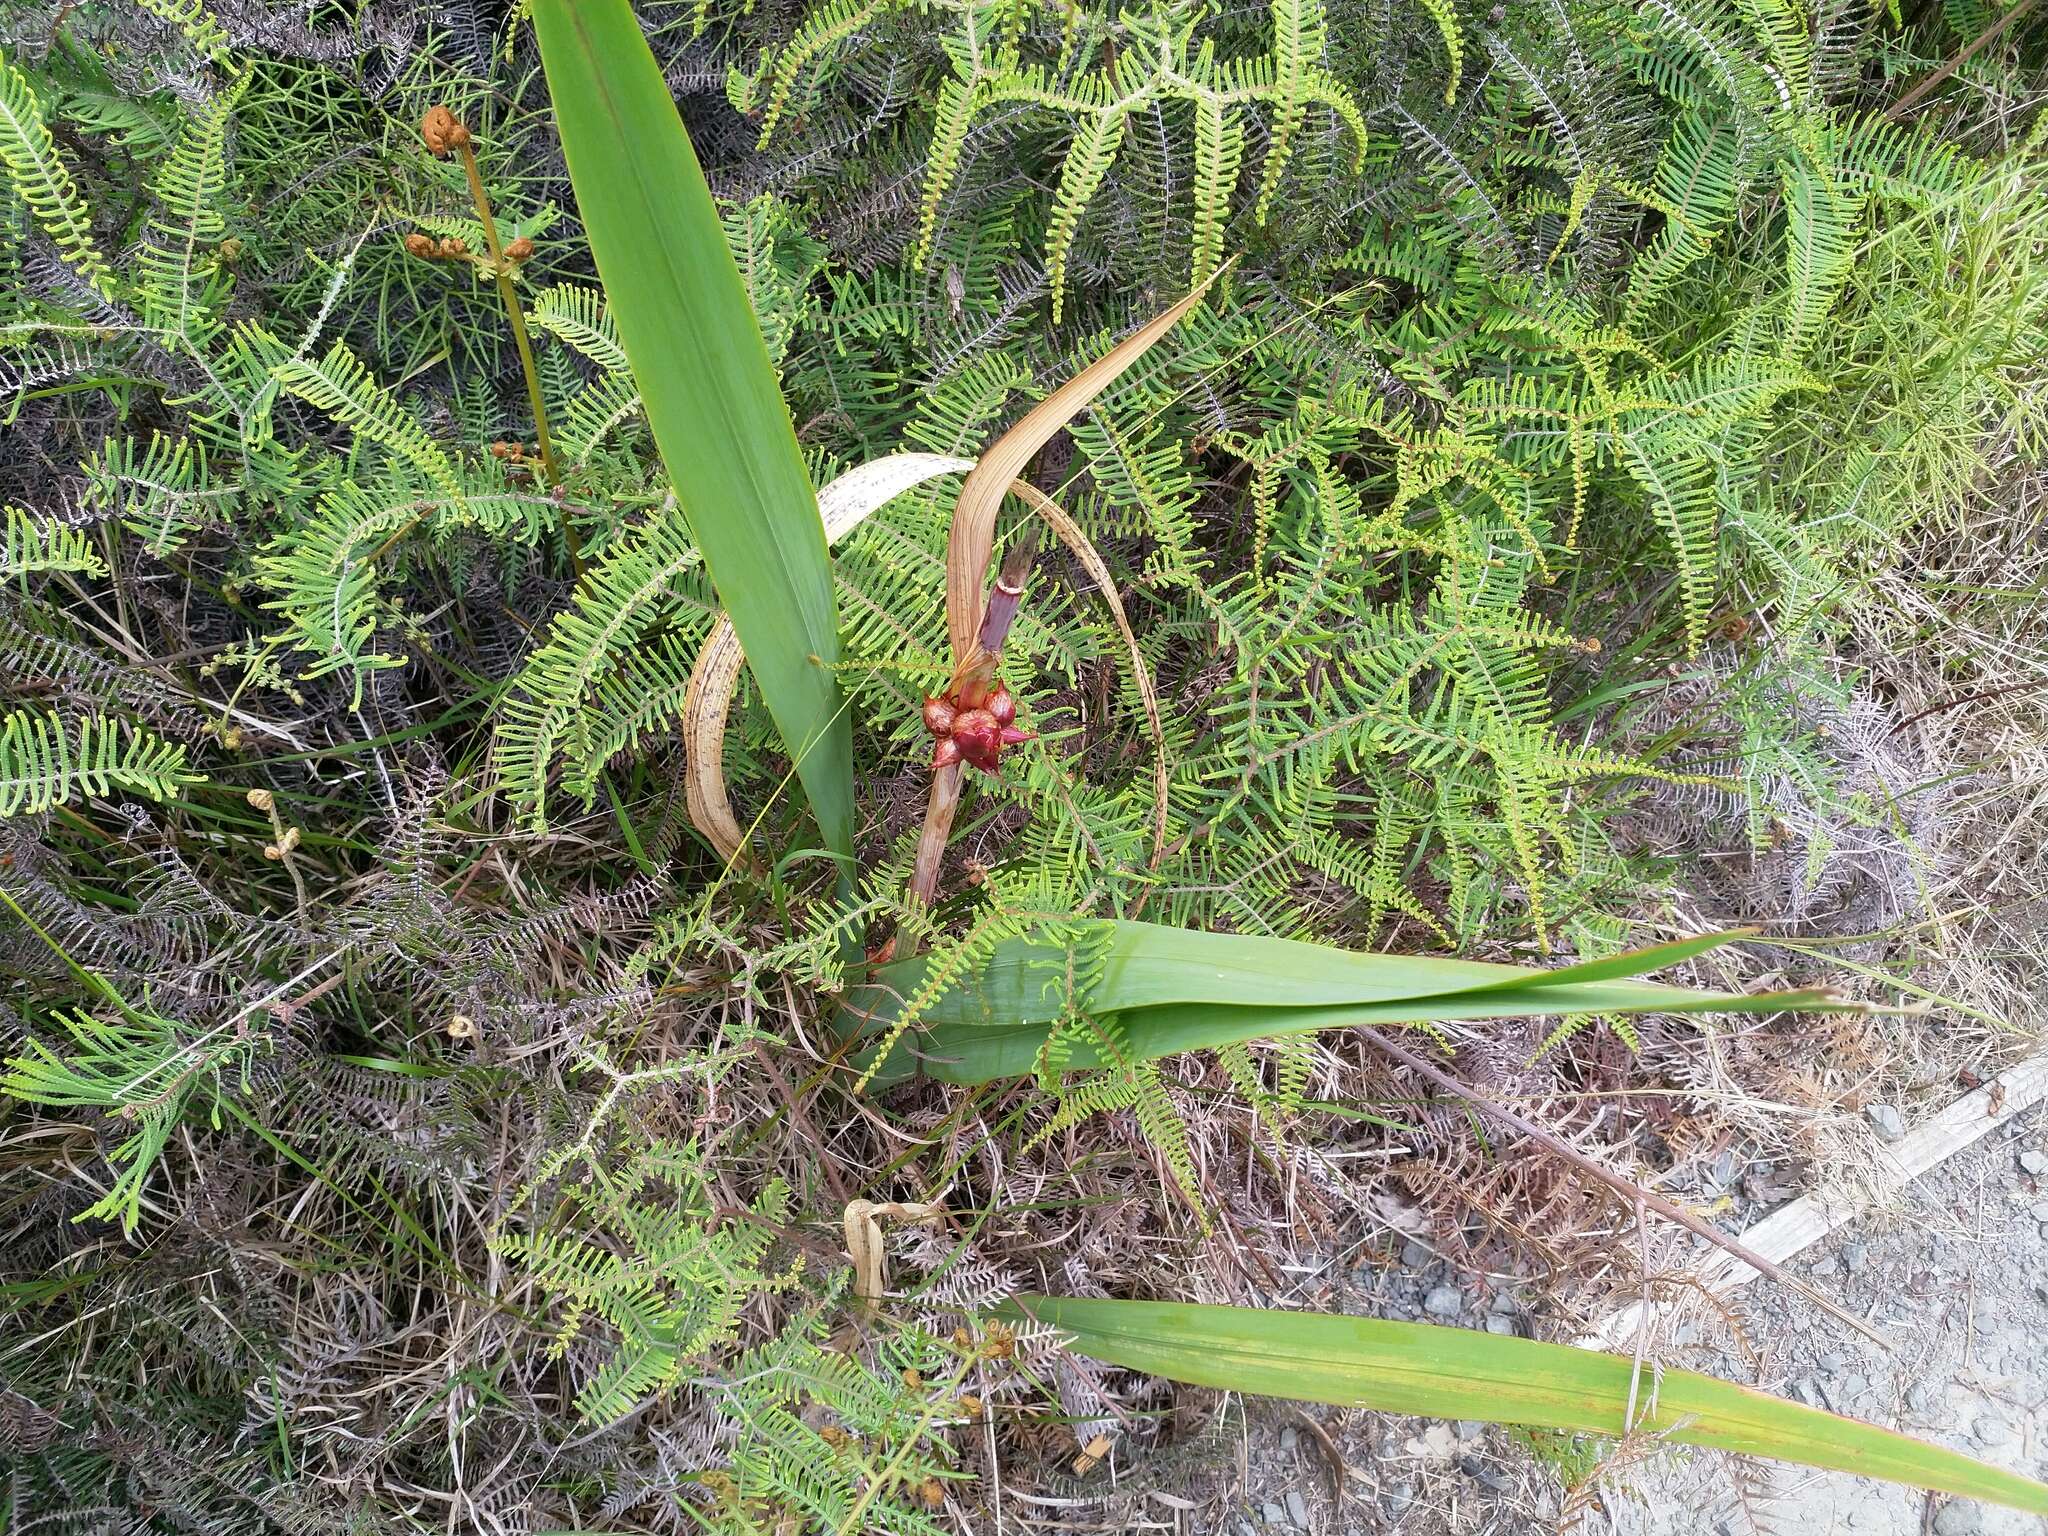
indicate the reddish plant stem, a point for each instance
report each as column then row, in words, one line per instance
column 938, row 826
column 976, row 677
column 971, row 688
column 1990, row 34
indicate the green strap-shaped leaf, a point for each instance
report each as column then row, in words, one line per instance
column 982, row 1053
column 704, row 376
column 1174, row 990
column 1461, row 1373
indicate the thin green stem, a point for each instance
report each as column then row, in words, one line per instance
column 501, row 271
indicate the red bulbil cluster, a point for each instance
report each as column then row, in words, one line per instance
column 973, row 736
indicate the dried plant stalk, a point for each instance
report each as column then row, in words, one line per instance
column 973, row 540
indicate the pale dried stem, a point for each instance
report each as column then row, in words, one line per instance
column 972, row 538
column 938, row 827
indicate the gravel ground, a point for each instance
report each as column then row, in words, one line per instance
column 1956, row 1275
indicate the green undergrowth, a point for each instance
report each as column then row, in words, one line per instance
column 402, row 1096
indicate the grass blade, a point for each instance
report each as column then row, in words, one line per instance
column 1461, row 1373
column 709, row 389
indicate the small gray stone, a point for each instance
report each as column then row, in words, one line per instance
column 1992, row 1430
column 1273, row 1512
column 1443, row 1301
column 1833, row 1361
column 1890, row 1124
column 2034, row 1162
column 1504, row 1326
column 1855, row 1386
column 1297, row 1508
column 1960, row 1518
column 2040, row 1210
column 1397, row 1498
column 1485, row 1473
column 1923, row 1399
column 1503, row 1302
column 1470, row 1429
column 1289, row 1438
column 1416, row 1255
column 1854, row 1257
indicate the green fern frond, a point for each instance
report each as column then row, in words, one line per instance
column 140, row 1068
column 1087, row 162
column 1219, row 152
column 1445, row 16
column 46, row 762
column 823, row 28
column 1821, row 216
column 30, row 544
column 1136, row 1086
column 599, row 411
column 43, row 182
column 639, row 1247
column 1163, row 63
column 578, row 317
column 1695, row 192
column 195, row 23
column 779, row 263
column 342, row 386
column 326, row 570
column 179, row 278
column 573, row 699
column 1682, row 498
column 160, row 488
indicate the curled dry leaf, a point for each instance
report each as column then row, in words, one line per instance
column 706, row 705
column 864, row 1245
column 844, row 505
column 974, row 515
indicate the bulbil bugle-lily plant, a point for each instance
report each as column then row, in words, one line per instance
column 1141, row 990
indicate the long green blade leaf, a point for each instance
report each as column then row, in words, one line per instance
column 1147, row 965
column 980, row 1053
column 1172, row 990
column 1461, row 1373
column 710, row 391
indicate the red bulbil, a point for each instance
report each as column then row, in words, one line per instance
column 973, row 736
